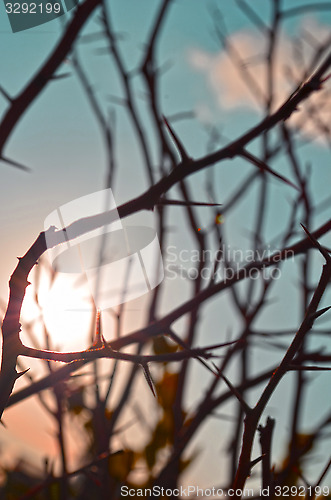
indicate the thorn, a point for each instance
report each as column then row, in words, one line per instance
column 51, row 469
column 166, row 201
column 319, row 313
column 263, row 166
column 20, row 374
column 99, row 338
column 205, row 364
column 15, row 164
column 5, row 94
column 242, row 402
column 59, row 77
column 326, row 78
column 317, row 244
column 180, row 147
column 182, row 344
column 257, row 460
column 148, row 378
column 307, row 368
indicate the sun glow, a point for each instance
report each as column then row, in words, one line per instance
column 61, row 304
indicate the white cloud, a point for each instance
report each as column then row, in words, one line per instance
column 230, row 89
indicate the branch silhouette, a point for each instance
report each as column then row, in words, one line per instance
column 164, row 347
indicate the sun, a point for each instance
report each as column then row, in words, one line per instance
column 60, row 304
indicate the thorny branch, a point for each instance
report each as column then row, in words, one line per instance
column 296, row 356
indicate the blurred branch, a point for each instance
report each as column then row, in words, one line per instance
column 21, row 103
column 81, row 470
